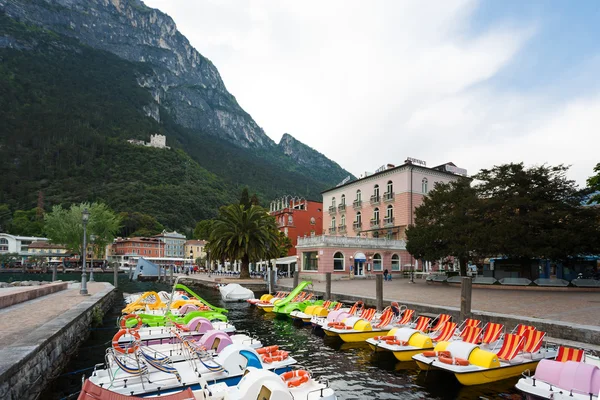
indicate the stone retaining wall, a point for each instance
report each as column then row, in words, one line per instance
column 26, row 371
column 13, row 297
column 583, row 334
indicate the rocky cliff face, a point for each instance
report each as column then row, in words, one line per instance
column 182, row 81
column 309, row 157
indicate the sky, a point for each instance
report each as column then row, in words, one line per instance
column 478, row 83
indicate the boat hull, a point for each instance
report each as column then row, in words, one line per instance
column 494, row 374
column 360, row 336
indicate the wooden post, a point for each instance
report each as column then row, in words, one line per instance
column 116, row 274
column 171, row 267
column 379, row 291
column 328, row 286
column 465, row 297
column 53, row 272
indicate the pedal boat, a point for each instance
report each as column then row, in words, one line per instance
column 573, row 375
column 354, row 329
column 472, row 365
column 402, row 342
column 140, row 373
column 168, row 334
column 298, row 384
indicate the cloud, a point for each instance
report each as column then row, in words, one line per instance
column 372, row 83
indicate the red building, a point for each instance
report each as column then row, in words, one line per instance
column 297, row 217
column 139, row 246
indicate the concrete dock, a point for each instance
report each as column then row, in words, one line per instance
column 36, row 336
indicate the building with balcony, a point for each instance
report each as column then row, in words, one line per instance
column 296, row 217
column 126, row 251
column 15, row 244
column 383, row 203
column 174, row 244
column 366, row 221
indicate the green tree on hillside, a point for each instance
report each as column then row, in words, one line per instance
column 244, row 234
column 26, row 223
column 65, row 226
column 446, row 224
column 203, row 229
column 594, row 185
column 139, row 224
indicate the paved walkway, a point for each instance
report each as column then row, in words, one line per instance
column 20, row 320
column 577, row 307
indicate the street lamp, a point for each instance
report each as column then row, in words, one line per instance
column 85, row 217
column 92, row 240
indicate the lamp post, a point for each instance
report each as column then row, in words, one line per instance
column 92, row 240
column 85, row 216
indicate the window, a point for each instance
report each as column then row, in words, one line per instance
column 343, row 200
column 358, row 217
column 310, row 261
column 376, row 214
column 424, row 185
column 3, row 245
column 395, row 263
column 390, row 187
column 390, row 212
column 338, row 261
column 312, row 220
column 333, row 222
column 377, row 266
column 376, row 191
column 343, row 220
column 290, row 220
column 358, row 196
column 333, row 202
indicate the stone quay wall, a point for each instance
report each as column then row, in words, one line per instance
column 29, row 369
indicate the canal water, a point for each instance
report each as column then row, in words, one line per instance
column 353, row 370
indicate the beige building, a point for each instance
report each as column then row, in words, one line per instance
column 195, row 249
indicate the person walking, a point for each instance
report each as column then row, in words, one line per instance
column 385, row 275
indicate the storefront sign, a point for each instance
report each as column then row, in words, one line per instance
column 416, row 161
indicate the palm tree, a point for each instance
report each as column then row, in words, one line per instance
column 246, row 234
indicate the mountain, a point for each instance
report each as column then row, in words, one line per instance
column 308, row 157
column 78, row 79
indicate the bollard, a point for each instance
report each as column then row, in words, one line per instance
column 465, row 297
column 328, row 286
column 116, row 274
column 54, row 273
column 296, row 277
column 272, row 281
column 379, row 291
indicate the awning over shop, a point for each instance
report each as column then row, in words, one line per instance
column 286, row 260
column 360, row 257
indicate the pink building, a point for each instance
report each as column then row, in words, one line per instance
column 366, row 220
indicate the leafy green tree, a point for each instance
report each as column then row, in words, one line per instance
column 65, row 226
column 139, row 224
column 284, row 244
column 245, row 198
column 5, row 217
column 203, row 229
column 26, row 223
column 446, row 224
column 254, row 200
column 8, row 259
column 593, row 184
column 244, row 234
column 534, row 213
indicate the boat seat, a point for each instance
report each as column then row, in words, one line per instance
column 404, row 334
column 460, row 349
column 565, row 354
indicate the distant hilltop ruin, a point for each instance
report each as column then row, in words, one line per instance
column 158, row 141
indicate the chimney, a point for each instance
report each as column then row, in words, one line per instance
column 390, row 166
